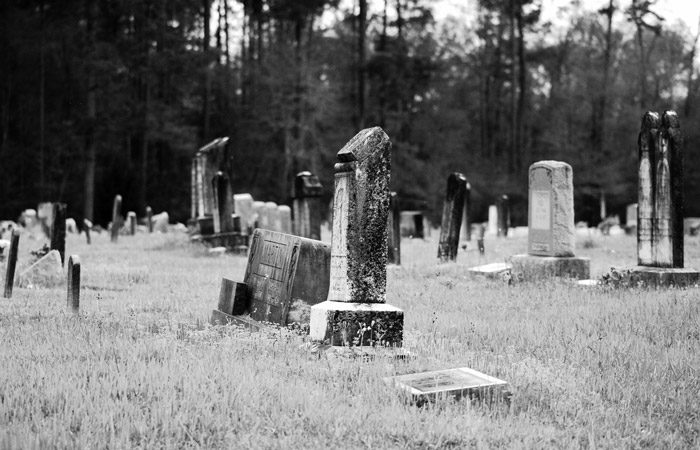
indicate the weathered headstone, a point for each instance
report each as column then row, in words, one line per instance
column 451, row 383
column 131, row 221
column 356, row 312
column 412, row 225
column 503, row 206
column 11, row 263
column 116, row 218
column 284, row 213
column 258, row 212
column 394, row 231
column 551, row 235
column 87, row 227
column 243, row 206
column 492, row 225
column 214, row 157
column 73, row 283
column 58, row 230
column 149, row 218
column 307, row 205
column 45, row 273
column 452, row 211
column 466, row 232
column 660, row 211
column 223, row 203
column 285, row 275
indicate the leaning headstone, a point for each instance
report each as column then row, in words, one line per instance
column 58, row 230
column 285, row 276
column 394, row 231
column 73, row 284
column 131, row 221
column 503, row 206
column 492, row 226
column 243, row 207
column 11, row 263
column 551, row 236
column 223, row 203
column 466, row 232
column 149, row 218
column 452, row 211
column 116, row 218
column 87, row 227
column 660, row 210
column 45, row 273
column 284, row 213
column 307, row 205
column 356, row 312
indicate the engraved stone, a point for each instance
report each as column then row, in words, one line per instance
column 466, row 232
column 441, row 384
column 131, row 220
column 551, row 227
column 233, row 298
column 452, row 211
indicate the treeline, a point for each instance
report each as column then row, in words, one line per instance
column 115, row 96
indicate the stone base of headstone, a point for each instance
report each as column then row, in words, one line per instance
column 492, row 271
column 221, row 318
column 531, row 268
column 45, row 273
column 232, row 240
column 350, row 324
column 664, row 277
column 233, row 298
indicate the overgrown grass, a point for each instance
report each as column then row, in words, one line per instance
column 140, row 367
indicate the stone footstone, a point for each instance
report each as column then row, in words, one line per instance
column 532, row 268
column 492, row 271
column 664, row 277
column 45, row 273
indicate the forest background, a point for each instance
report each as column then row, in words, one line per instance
column 106, row 97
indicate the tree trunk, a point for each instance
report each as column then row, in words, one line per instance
column 361, row 34
column 90, row 138
column 206, row 4
column 514, row 90
column 42, row 104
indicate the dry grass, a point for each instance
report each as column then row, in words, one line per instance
column 141, row 368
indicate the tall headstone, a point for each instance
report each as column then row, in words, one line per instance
column 551, row 235
column 149, row 218
column 116, row 218
column 223, row 203
column 307, row 205
column 243, row 207
column 503, row 215
column 466, row 232
column 73, row 283
column 356, row 312
column 394, row 231
column 131, row 221
column 58, row 230
column 660, row 211
column 11, row 263
column 452, row 211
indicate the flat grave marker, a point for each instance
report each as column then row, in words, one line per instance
column 441, row 384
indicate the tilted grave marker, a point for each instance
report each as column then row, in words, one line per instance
column 466, row 232
column 356, row 312
column 58, row 230
column 307, row 205
column 452, row 212
column 11, row 263
column 116, row 218
column 73, row 284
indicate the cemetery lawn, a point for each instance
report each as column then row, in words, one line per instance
column 140, row 367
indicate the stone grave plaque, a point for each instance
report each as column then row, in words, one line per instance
column 540, row 235
column 445, row 383
column 285, row 276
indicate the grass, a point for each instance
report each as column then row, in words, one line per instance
column 140, row 367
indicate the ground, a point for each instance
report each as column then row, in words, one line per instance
column 139, row 367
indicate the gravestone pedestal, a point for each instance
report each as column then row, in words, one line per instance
column 664, row 276
column 531, row 268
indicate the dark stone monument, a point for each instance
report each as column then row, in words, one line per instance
column 73, row 284
column 58, row 230
column 307, row 205
column 131, row 220
column 11, row 264
column 660, row 210
column 223, row 203
column 233, row 298
column 452, row 211
column 356, row 312
column 149, row 218
column 503, row 207
column 116, row 218
column 394, row 231
column 466, row 233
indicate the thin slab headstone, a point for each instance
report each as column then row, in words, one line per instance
column 503, row 205
column 149, row 218
column 284, row 213
column 223, row 203
column 116, row 218
column 631, row 215
column 412, row 224
column 466, row 232
column 58, row 230
column 258, row 213
column 452, row 211
column 11, row 263
column 648, row 142
column 87, row 227
column 131, row 220
column 73, row 283
column 492, row 225
column 442, row 384
column 394, row 231
column 356, row 312
column 270, row 217
column 243, row 207
column 307, row 205
column 551, row 217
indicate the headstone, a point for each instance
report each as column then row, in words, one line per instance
column 214, row 157
column 551, row 236
column 11, row 263
column 492, row 227
column 149, row 218
column 631, row 215
column 451, row 383
column 503, row 215
column 412, row 224
column 270, row 217
column 394, row 231
column 466, row 232
column 131, row 220
column 356, row 312
column 45, row 273
column 71, row 226
column 73, row 283
column 284, row 213
column 243, row 206
column 258, row 213
column 58, row 230
column 116, row 218
column 45, row 216
column 660, row 211
column 233, row 298
column 160, row 222
column 223, row 203
column 285, row 276
column 87, row 227
column 452, row 212
column 480, row 240
column 307, row 205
